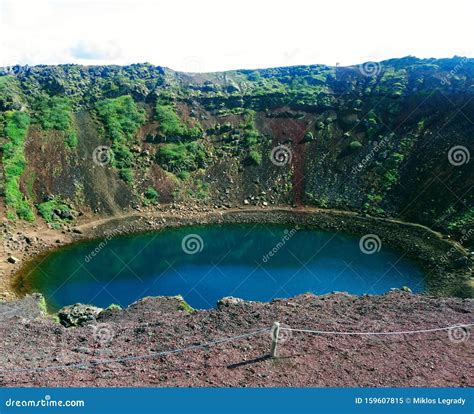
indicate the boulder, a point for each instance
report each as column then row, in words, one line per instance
column 78, row 314
column 13, row 259
column 229, row 301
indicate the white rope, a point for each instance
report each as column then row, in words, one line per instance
column 90, row 364
column 378, row 333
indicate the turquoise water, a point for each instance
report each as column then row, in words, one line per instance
column 206, row 263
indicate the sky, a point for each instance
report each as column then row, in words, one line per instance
column 212, row 35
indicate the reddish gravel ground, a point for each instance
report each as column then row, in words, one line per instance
column 156, row 324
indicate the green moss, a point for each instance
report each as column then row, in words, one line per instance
column 14, row 164
column 122, row 119
column 171, row 125
column 113, row 307
column 48, row 208
column 42, row 305
column 151, row 195
column 255, row 157
column 184, row 306
column 55, row 113
column 178, row 157
column 355, row 146
column 462, row 221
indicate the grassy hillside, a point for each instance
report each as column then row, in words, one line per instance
column 389, row 139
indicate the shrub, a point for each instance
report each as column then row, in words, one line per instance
column 127, row 175
column 151, row 194
column 171, row 125
column 178, row 157
column 355, row 146
column 255, row 157
column 308, row 137
column 49, row 211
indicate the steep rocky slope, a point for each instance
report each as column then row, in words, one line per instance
column 390, row 139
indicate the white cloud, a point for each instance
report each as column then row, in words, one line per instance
column 209, row 35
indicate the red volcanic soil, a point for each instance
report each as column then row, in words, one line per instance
column 117, row 349
column 292, row 130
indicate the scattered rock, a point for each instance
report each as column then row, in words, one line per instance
column 13, row 259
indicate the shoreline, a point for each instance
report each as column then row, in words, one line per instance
column 444, row 261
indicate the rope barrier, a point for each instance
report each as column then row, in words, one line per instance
column 378, row 333
column 275, row 333
column 89, row 364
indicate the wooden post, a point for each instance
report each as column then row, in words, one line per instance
column 275, row 334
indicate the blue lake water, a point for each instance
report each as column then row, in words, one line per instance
column 206, row 263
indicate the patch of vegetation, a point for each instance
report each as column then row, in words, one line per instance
column 252, row 139
column 55, row 113
column 308, row 137
column 179, row 157
column 55, row 211
column 184, row 306
column 151, row 195
column 201, row 190
column 255, row 157
column 10, row 94
column 355, row 146
column 14, row 164
column 462, row 221
column 171, row 125
column 122, row 119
